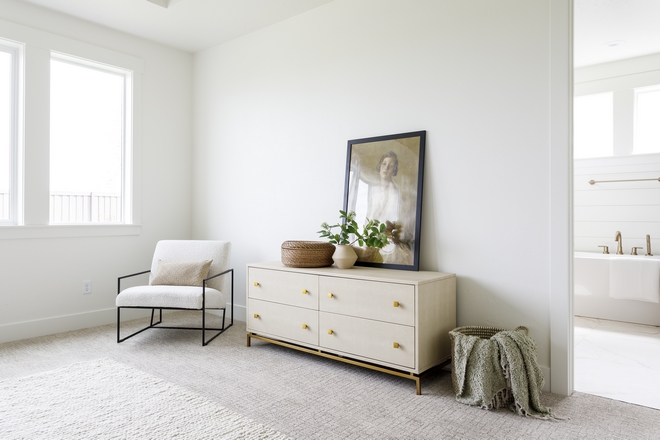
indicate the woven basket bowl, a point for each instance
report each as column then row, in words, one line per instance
column 474, row 330
column 307, row 253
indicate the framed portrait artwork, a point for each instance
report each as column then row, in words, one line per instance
column 384, row 177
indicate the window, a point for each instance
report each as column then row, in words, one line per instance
column 89, row 146
column 593, row 126
column 68, row 111
column 647, row 121
column 8, row 132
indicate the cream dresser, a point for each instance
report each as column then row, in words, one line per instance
column 387, row 320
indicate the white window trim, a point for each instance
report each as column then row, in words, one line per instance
column 78, row 230
column 635, row 116
column 33, row 171
column 15, row 207
column 127, row 130
column 625, row 109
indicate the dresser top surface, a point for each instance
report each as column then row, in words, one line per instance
column 360, row 272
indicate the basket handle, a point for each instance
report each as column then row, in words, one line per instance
column 522, row 327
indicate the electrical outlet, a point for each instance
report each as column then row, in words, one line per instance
column 87, row 287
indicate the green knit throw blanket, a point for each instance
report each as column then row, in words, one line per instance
column 499, row 372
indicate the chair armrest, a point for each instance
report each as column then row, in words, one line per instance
column 217, row 275
column 232, row 289
column 128, row 276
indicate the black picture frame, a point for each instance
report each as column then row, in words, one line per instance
column 394, row 192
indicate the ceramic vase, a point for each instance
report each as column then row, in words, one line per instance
column 344, row 256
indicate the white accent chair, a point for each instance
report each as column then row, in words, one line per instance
column 175, row 265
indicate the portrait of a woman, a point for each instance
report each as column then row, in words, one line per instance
column 382, row 184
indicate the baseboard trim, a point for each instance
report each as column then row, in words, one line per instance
column 61, row 324
column 78, row 321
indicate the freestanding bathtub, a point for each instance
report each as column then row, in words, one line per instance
column 592, row 291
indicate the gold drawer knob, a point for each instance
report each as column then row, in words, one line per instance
column 256, row 315
column 395, row 345
column 330, row 332
column 305, row 291
column 304, row 326
column 396, row 303
column 256, row 284
column 330, row 295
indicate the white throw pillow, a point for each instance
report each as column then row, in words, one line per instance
column 176, row 273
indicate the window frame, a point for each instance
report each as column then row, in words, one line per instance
column 15, row 50
column 637, row 91
column 622, row 78
column 33, row 134
column 126, row 137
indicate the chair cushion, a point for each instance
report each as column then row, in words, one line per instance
column 178, row 273
column 197, row 250
column 184, row 297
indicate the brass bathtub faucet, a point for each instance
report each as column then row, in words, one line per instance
column 619, row 246
column 648, row 246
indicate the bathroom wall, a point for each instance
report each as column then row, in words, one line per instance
column 604, row 208
column 632, row 208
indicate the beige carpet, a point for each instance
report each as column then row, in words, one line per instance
column 103, row 399
column 306, row 397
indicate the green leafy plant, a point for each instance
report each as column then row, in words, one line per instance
column 373, row 233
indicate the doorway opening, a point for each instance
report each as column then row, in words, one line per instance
column 616, row 189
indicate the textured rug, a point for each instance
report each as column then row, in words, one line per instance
column 302, row 396
column 104, row 399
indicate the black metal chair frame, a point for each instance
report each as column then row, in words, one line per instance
column 203, row 328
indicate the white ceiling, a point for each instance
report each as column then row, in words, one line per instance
column 189, row 25
column 195, row 25
column 598, row 22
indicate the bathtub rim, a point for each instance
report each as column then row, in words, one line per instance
column 602, row 256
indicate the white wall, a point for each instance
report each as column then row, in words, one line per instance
column 274, row 110
column 41, row 278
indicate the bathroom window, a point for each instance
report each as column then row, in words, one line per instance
column 646, row 138
column 593, row 126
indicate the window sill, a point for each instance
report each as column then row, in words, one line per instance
column 57, row 231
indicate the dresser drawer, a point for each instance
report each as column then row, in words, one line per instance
column 368, row 299
column 296, row 289
column 283, row 321
column 380, row 341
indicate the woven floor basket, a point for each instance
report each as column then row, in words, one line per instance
column 474, row 330
column 307, row 253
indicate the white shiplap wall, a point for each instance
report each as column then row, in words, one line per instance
column 630, row 207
